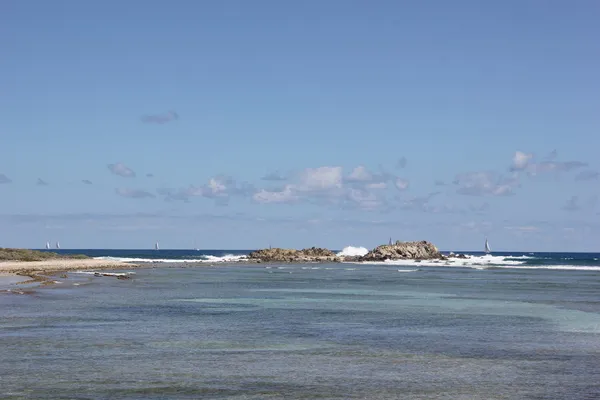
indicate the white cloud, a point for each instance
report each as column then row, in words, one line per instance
column 320, row 179
column 485, row 184
column 377, row 185
column 525, row 162
column 520, row 160
column 134, row 193
column 121, row 170
column 554, row 166
column 215, row 187
column 322, row 183
column 283, row 196
column 220, row 188
column 401, row 184
column 359, row 174
column 328, row 186
column 524, row 228
column 365, row 199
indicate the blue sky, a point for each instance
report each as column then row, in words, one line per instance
column 238, row 124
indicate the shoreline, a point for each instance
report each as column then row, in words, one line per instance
column 10, row 268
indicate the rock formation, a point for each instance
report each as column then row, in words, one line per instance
column 313, row 254
column 422, row 250
column 454, row 255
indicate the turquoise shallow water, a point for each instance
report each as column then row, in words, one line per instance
column 336, row 331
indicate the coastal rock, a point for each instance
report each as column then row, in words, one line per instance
column 422, row 250
column 453, row 255
column 313, row 254
column 350, row 258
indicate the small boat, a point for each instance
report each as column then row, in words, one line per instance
column 487, row 247
column 58, row 245
column 156, row 246
column 47, row 245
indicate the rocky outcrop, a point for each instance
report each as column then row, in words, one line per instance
column 453, row 255
column 422, row 250
column 313, row 254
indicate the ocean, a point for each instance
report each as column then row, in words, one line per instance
column 195, row 326
column 563, row 261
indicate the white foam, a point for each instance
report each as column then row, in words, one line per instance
column 407, row 270
column 563, row 267
column 104, row 273
column 351, row 251
column 484, row 262
column 204, row 259
column 470, row 261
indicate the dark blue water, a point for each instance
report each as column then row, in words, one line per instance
column 165, row 254
column 523, row 259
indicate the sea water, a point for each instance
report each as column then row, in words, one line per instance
column 307, row 331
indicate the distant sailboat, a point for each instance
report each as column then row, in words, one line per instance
column 156, row 246
column 47, row 245
column 58, row 245
column 487, row 247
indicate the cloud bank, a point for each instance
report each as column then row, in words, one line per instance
column 525, row 162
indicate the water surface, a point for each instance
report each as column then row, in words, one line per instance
column 329, row 331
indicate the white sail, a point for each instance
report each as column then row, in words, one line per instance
column 487, row 247
column 57, row 245
column 156, row 246
column 47, row 245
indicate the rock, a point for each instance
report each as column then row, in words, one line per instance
column 350, row 258
column 276, row 254
column 452, row 255
column 422, row 250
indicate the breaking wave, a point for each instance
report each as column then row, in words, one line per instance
column 200, row 259
column 351, row 251
column 492, row 262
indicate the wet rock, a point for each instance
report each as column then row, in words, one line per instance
column 453, row 255
column 422, row 250
column 276, row 254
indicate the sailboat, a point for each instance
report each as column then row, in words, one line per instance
column 487, row 247
column 156, row 246
column 58, row 245
column 47, row 245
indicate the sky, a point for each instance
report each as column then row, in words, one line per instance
column 241, row 124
